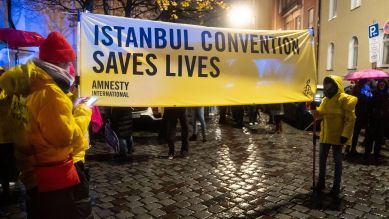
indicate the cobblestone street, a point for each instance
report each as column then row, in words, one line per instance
column 237, row 173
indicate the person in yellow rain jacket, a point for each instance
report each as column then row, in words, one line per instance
column 337, row 112
column 8, row 170
column 48, row 128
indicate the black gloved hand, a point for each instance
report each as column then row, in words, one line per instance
column 312, row 105
column 343, row 140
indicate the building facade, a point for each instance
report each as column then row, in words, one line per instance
column 296, row 15
column 344, row 36
column 263, row 14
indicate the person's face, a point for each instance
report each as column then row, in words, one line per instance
column 381, row 85
column 64, row 65
column 330, row 88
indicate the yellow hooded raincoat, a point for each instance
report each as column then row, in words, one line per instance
column 5, row 129
column 338, row 115
column 45, row 127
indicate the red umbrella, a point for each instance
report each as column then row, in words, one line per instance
column 366, row 74
column 19, row 38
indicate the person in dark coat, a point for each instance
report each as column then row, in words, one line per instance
column 122, row 124
column 378, row 119
column 363, row 93
column 172, row 114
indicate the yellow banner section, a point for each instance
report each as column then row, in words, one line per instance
column 133, row 62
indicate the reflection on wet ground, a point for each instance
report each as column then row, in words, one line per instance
column 237, row 173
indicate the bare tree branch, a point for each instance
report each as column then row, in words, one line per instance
column 192, row 11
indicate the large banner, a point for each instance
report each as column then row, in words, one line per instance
column 133, row 62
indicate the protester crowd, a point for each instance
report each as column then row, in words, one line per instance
column 372, row 116
column 45, row 135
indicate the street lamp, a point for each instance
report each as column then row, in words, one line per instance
column 241, row 16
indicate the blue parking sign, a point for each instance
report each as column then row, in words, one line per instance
column 373, row 30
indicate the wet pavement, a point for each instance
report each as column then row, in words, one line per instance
column 237, row 173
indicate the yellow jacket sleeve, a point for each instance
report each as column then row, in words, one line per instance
column 5, row 121
column 82, row 115
column 55, row 117
column 318, row 113
column 348, row 105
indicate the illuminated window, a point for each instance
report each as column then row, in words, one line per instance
column 310, row 17
column 330, row 56
column 288, row 26
column 385, row 51
column 332, row 12
column 355, row 3
column 353, row 53
column 297, row 23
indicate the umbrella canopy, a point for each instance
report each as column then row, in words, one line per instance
column 19, row 38
column 366, row 74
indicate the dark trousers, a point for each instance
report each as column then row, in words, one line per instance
column 222, row 114
column 253, row 112
column 278, row 123
column 238, row 114
column 172, row 115
column 8, row 170
column 73, row 202
column 198, row 114
column 337, row 155
column 375, row 133
column 126, row 146
column 359, row 124
column 162, row 134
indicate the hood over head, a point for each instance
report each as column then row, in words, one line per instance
column 337, row 80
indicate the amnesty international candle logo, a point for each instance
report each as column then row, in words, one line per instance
column 307, row 89
column 134, row 62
